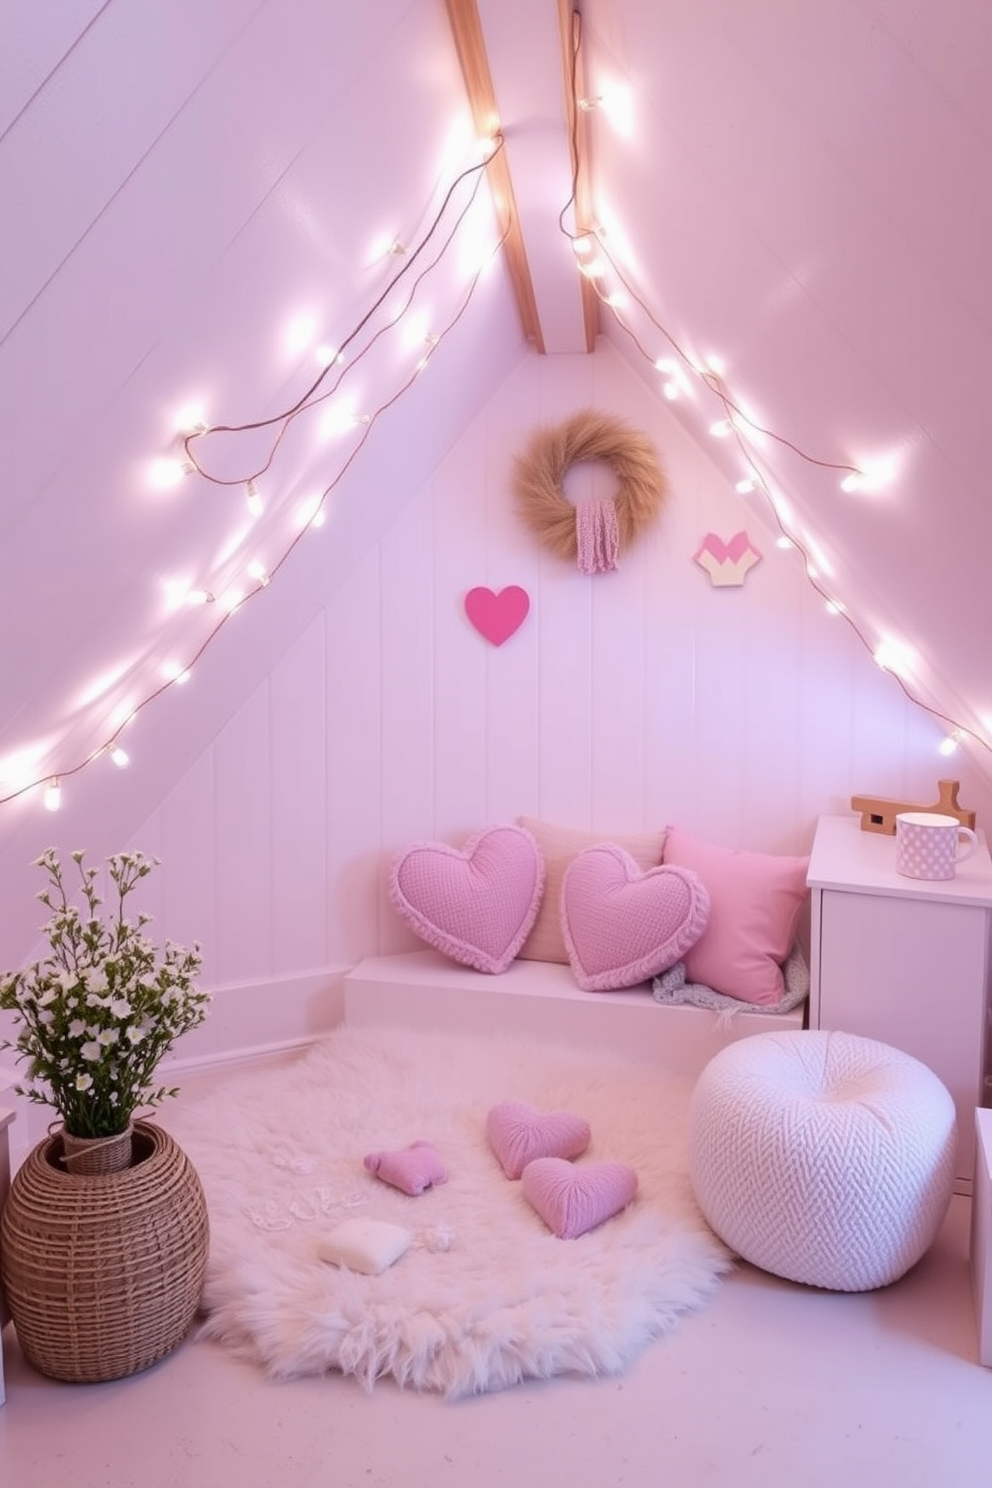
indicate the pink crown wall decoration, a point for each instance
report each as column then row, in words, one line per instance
column 727, row 563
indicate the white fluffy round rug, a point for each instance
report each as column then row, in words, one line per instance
column 486, row 1296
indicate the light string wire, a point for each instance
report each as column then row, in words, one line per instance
column 284, row 419
column 715, row 384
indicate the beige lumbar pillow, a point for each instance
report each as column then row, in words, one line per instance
column 559, row 845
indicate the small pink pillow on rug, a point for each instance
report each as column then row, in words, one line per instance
column 558, row 846
column 411, row 1169
column 755, row 900
column 621, row 925
column 475, row 905
column 573, row 1200
column 518, row 1133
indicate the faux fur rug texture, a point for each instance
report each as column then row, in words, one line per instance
column 486, row 1296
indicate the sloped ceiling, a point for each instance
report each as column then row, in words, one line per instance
column 789, row 202
column 789, row 193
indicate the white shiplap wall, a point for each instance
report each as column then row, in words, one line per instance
column 625, row 700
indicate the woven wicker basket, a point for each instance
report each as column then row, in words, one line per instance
column 103, row 1273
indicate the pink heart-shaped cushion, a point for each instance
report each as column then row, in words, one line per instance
column 476, row 905
column 519, row 1133
column 572, row 1200
column 621, row 925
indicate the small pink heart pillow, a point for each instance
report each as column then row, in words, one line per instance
column 621, row 925
column 518, row 1133
column 476, row 905
column 572, row 1200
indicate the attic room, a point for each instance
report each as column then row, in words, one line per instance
column 449, row 422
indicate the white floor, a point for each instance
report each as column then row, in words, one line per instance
column 771, row 1384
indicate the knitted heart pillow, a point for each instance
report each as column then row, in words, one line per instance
column 621, row 925
column 476, row 904
column 518, row 1133
column 572, row 1200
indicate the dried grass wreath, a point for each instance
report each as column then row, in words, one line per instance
column 593, row 533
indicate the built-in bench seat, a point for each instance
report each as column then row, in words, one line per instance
column 540, row 999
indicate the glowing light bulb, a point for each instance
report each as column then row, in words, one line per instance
column 254, row 499
column 949, row 745
column 299, row 334
column 834, row 607
column 259, row 573
column 784, row 542
column 716, row 365
column 190, row 420
column 164, row 473
column 310, row 513
column 745, row 485
column 721, row 428
column 120, row 757
column 893, row 656
column 173, row 671
column 670, row 390
column 593, row 268
column 851, row 481
column 584, row 245
column 53, row 794
column 327, row 354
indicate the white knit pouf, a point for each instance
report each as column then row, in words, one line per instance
column 825, row 1158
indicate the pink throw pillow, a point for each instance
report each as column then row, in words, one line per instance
column 572, row 1200
column 558, row 846
column 475, row 905
column 755, row 900
column 621, row 925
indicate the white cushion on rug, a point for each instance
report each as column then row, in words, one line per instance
column 365, row 1245
column 825, row 1158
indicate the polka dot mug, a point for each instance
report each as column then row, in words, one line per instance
column 931, row 846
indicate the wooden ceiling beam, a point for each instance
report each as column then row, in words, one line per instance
column 570, row 32
column 466, row 27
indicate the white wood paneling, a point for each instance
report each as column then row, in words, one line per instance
column 297, row 863
column 625, row 701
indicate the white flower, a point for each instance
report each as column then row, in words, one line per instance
column 121, row 1008
column 83, row 1082
column 95, row 979
column 46, row 1017
column 77, row 1028
column 107, row 1036
column 48, row 996
column 91, row 1050
column 135, row 1035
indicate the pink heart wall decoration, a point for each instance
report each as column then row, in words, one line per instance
column 621, row 925
column 497, row 616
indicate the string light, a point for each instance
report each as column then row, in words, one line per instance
column 415, row 263
column 120, row 757
column 53, row 794
column 746, row 429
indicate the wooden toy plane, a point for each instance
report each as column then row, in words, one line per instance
column 879, row 815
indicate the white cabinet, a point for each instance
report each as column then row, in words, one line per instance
column 903, row 960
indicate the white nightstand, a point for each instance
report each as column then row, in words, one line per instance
column 903, row 960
